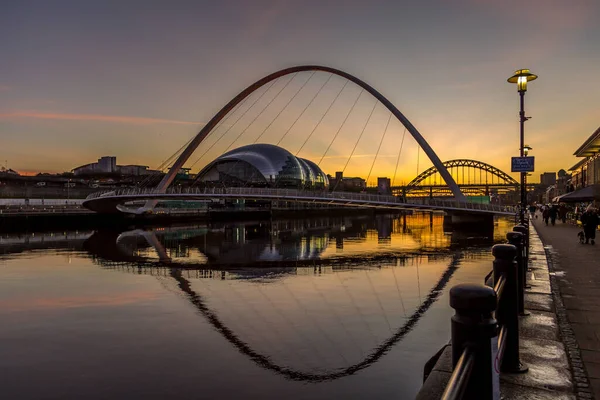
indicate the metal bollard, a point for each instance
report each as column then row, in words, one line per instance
column 507, row 313
column 524, row 229
column 473, row 325
column 516, row 239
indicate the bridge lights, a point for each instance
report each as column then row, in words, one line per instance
column 521, row 77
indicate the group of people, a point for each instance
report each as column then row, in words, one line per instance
column 589, row 219
column 551, row 212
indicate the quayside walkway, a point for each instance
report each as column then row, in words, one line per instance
column 577, row 274
column 546, row 348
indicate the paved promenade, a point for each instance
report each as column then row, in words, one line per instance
column 577, row 272
column 543, row 347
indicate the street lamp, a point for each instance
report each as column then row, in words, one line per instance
column 526, row 149
column 521, row 77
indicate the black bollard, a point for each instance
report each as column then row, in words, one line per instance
column 473, row 325
column 516, row 239
column 507, row 313
column 524, row 229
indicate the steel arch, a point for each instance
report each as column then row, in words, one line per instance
column 185, row 155
column 509, row 180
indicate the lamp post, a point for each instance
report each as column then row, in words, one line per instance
column 521, row 77
column 524, row 175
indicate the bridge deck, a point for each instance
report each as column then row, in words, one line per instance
column 112, row 201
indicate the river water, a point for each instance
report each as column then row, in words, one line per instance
column 340, row 307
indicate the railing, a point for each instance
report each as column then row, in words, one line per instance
column 485, row 327
column 284, row 194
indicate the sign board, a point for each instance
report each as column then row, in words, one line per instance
column 522, row 164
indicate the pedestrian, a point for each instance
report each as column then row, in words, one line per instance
column 546, row 214
column 553, row 214
column 562, row 213
column 590, row 221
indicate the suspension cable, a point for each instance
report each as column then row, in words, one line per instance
column 236, row 121
column 305, row 108
column 398, row 159
column 261, row 111
column 418, row 152
column 341, row 126
column 284, row 107
column 257, row 116
column 163, row 165
column 357, row 141
column 322, row 117
column 379, row 148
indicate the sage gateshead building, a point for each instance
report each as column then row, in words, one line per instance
column 262, row 165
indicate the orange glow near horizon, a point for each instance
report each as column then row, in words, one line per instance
column 69, row 103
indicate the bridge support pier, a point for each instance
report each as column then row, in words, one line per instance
column 478, row 222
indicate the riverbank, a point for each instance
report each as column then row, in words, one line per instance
column 544, row 344
column 577, row 279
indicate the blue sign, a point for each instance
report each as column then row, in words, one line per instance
column 522, row 164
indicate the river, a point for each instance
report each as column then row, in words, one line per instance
column 340, row 307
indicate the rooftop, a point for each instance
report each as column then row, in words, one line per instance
column 590, row 147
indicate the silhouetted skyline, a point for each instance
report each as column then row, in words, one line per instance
column 137, row 79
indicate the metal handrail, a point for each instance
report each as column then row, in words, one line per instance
column 457, row 385
column 501, row 326
column 286, row 193
column 499, row 287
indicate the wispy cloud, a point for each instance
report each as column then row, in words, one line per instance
column 94, row 117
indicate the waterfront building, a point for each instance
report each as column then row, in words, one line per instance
column 262, row 165
column 587, row 171
column 351, row 184
column 548, row 178
column 108, row 165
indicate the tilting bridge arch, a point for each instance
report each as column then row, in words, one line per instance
column 503, row 179
column 207, row 129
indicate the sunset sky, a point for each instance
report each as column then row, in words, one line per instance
column 138, row 78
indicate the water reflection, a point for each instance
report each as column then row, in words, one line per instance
column 285, row 242
column 334, row 343
column 312, row 301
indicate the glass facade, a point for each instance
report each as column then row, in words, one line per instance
column 263, row 165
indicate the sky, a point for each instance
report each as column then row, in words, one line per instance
column 138, row 79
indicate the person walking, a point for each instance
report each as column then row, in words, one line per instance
column 590, row 221
column 562, row 213
column 545, row 214
column 553, row 214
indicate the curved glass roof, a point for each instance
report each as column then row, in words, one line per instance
column 277, row 166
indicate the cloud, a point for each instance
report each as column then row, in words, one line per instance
column 94, row 117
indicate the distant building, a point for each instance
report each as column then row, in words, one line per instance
column 548, row 178
column 133, row 170
column 351, row 184
column 108, row 165
column 384, row 186
column 8, row 171
column 354, row 183
column 563, row 182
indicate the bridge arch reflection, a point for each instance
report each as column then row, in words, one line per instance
column 181, row 276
